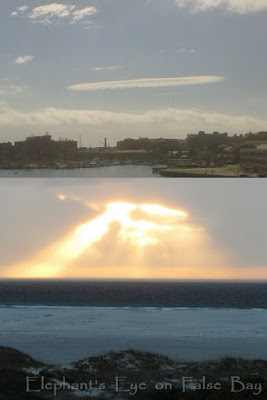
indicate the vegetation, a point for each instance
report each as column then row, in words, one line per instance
column 152, row 376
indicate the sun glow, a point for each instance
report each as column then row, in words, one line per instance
column 132, row 241
column 160, row 210
column 138, row 233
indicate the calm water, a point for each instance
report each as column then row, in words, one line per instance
column 133, row 294
column 115, row 171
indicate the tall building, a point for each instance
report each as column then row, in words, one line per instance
column 37, row 148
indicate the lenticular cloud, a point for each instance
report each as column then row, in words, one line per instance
column 147, row 83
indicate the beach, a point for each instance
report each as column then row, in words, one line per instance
column 61, row 335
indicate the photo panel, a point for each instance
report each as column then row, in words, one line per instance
column 122, row 273
column 152, row 288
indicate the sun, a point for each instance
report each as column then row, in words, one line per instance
column 138, row 232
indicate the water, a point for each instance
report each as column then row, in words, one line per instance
column 114, row 171
column 133, row 294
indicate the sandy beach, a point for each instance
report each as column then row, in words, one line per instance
column 61, row 335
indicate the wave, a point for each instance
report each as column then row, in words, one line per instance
column 129, row 308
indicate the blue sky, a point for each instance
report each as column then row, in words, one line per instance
column 122, row 68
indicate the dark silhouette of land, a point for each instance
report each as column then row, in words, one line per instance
column 130, row 374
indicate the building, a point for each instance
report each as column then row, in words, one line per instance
column 133, row 144
column 149, row 144
column 254, row 160
column 35, row 148
column 6, row 151
column 43, row 148
column 204, row 140
column 256, row 136
column 65, row 149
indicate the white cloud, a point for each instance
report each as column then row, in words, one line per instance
column 55, row 13
column 23, row 59
column 59, row 116
column 23, row 8
column 50, row 13
column 20, row 10
column 147, row 83
column 83, row 13
column 234, row 6
column 177, row 122
column 107, row 68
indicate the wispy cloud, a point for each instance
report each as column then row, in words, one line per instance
column 54, row 13
column 79, row 15
column 107, row 68
column 9, row 86
column 10, row 90
column 147, row 83
column 20, row 10
column 234, row 6
column 23, row 59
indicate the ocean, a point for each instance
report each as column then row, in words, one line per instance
column 133, row 294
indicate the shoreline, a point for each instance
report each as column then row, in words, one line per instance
column 67, row 334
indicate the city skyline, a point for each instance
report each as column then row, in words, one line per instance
column 102, row 140
column 122, row 69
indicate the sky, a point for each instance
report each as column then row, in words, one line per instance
column 139, row 229
column 123, row 68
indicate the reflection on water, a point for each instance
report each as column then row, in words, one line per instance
column 115, row 171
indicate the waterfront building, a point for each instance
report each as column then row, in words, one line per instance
column 38, row 148
column 144, row 143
